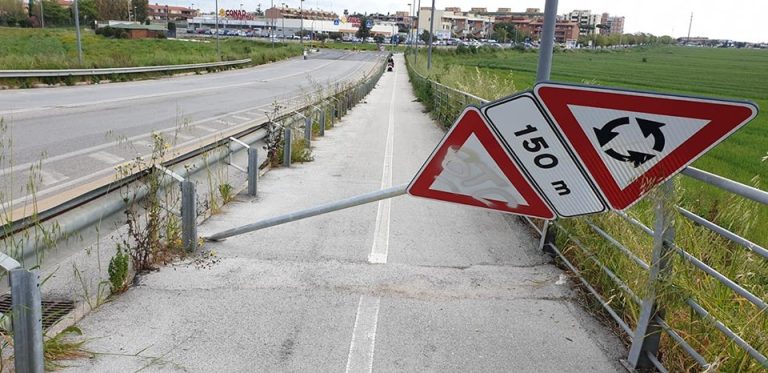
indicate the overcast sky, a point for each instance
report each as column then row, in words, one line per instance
column 718, row 19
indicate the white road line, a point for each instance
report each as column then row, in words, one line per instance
column 207, row 129
column 143, row 143
column 24, row 166
column 380, row 248
column 221, row 121
column 51, row 177
column 105, row 157
column 361, row 348
column 241, row 118
column 184, row 137
column 155, row 95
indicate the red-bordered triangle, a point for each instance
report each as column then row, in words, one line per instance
column 470, row 167
column 700, row 124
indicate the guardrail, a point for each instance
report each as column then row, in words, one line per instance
column 446, row 104
column 11, row 74
column 74, row 215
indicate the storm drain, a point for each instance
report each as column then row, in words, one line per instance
column 53, row 309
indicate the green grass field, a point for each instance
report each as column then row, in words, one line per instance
column 725, row 73
column 57, row 49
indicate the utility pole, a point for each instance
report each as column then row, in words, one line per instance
column 688, row 40
column 42, row 15
column 301, row 14
column 431, row 32
column 418, row 14
column 218, row 48
column 77, row 31
column 272, row 30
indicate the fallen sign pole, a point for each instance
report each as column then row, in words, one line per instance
column 310, row 212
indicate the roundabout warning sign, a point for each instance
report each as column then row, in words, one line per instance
column 573, row 150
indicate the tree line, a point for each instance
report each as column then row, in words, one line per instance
column 18, row 13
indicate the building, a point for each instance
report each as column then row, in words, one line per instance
column 506, row 15
column 287, row 22
column 139, row 31
column 169, row 12
column 611, row 25
column 587, row 21
column 452, row 22
column 565, row 31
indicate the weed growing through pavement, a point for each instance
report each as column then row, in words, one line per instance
column 146, row 241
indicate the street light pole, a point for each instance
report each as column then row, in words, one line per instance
column 216, row 13
column 77, row 31
column 301, row 14
column 272, row 30
column 431, row 32
column 418, row 20
column 282, row 16
column 42, row 15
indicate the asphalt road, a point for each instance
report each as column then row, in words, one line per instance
column 402, row 285
column 81, row 133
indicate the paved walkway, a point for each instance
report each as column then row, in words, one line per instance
column 402, row 285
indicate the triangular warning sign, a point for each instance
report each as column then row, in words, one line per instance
column 630, row 141
column 470, row 167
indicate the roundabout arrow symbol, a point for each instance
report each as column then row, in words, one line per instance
column 647, row 127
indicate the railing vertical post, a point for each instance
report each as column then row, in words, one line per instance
column 188, row 215
column 287, row 147
column 547, row 238
column 27, row 320
column 322, row 122
column 253, row 171
column 308, row 130
column 648, row 333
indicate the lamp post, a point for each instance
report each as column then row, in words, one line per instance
column 301, row 14
column 77, row 31
column 282, row 16
column 42, row 15
column 410, row 25
column 418, row 21
column 216, row 16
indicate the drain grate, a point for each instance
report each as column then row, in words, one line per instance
column 53, row 309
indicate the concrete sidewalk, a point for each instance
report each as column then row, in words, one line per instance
column 400, row 285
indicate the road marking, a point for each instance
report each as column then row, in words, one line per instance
column 361, row 348
column 107, row 171
column 241, row 118
column 380, row 248
column 51, row 177
column 105, row 157
column 186, row 92
column 143, row 143
column 183, row 136
column 207, row 129
column 221, row 121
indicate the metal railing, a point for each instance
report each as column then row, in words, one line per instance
column 446, row 104
column 12, row 74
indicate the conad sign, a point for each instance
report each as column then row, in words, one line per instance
column 235, row 14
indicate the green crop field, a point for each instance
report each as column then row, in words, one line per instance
column 57, row 49
column 725, row 73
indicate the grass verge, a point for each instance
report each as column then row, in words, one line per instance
column 26, row 49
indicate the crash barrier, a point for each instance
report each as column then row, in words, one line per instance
column 91, row 208
column 447, row 103
column 13, row 74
